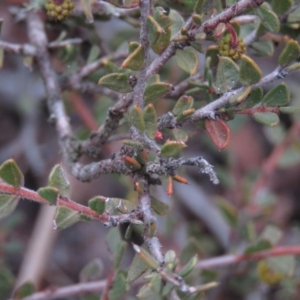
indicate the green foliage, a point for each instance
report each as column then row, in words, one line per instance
column 11, row 174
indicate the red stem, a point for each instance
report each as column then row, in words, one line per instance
column 61, row 201
column 225, row 260
column 234, row 37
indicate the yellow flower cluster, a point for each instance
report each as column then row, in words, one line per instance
column 59, row 9
column 227, row 49
column 267, row 275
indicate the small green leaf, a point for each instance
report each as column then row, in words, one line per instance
column 97, row 204
column 58, row 179
column 199, row 6
column 118, row 82
column 188, row 268
column 280, row 6
column 229, row 211
column 185, row 114
column 184, row 102
column 178, row 22
column 259, row 246
column 49, row 193
column 8, row 204
column 289, row 109
column 268, row 18
column 254, row 98
column 156, row 91
column 278, row 96
column 92, row 271
column 159, row 207
column 285, row 264
column 93, row 54
column 227, row 75
column 136, row 269
column 151, row 290
column 163, row 19
column 263, row 48
column 268, row 118
column 150, row 121
column 197, row 46
column 137, row 118
column 112, row 205
column 290, row 53
column 187, row 60
column 25, row 290
column 150, row 261
column 154, row 29
column 119, row 287
column 212, row 55
column 172, row 148
column 133, row 144
column 65, row 217
column 162, row 41
column 11, row 174
column 116, row 245
column 124, row 4
column 180, row 135
column 294, row 17
column 272, row 234
column 135, row 61
column 250, row 72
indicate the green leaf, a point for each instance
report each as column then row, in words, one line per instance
column 212, row 53
column 280, row 6
column 65, row 217
column 151, row 290
column 263, row 48
column 227, row 75
column 137, row 118
column 112, row 205
column 250, row 72
column 229, row 211
column 58, row 179
column 159, row 207
column 184, row 102
column 97, row 204
column 187, row 60
column 93, row 54
column 135, row 61
column 156, row 91
column 163, row 19
column 150, row 261
column 11, row 174
column 92, row 271
column 272, row 234
column 136, row 269
column 197, row 46
column 268, row 118
column 199, row 6
column 25, row 290
column 180, row 135
column 172, row 148
column 118, row 82
column 294, row 17
column 154, row 30
column 254, row 98
column 119, row 287
column 285, row 264
column 150, row 121
column 116, row 245
column 278, row 96
column 290, row 53
column 178, row 22
column 259, row 246
column 7, row 204
column 49, row 193
column 185, row 114
column 133, row 144
column 124, row 4
column 162, row 42
column 188, row 268
column 289, row 109
column 268, row 18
